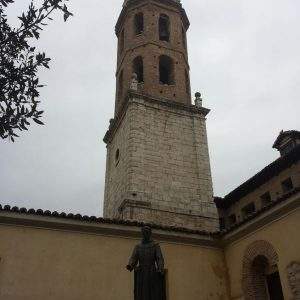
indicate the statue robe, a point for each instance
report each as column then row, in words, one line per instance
column 148, row 263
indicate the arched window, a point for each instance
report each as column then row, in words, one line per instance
column 187, row 83
column 261, row 278
column 164, row 28
column 166, row 70
column 120, row 85
column 138, row 68
column 139, row 23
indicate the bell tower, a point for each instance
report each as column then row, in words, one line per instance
column 152, row 44
column 158, row 167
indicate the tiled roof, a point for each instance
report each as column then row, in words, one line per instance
column 81, row 218
column 93, row 219
column 260, row 178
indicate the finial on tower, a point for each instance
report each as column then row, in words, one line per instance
column 134, row 82
column 198, row 100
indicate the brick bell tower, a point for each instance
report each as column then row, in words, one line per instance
column 158, row 167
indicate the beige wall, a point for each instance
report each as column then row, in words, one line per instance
column 42, row 264
column 283, row 234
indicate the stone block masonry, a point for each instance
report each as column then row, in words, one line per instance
column 158, row 166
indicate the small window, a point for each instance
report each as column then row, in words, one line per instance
column 121, row 41
column 248, row 209
column 166, row 70
column 183, row 38
column 265, row 199
column 187, row 83
column 164, row 28
column 120, row 85
column 139, row 23
column 117, row 156
column 287, row 185
column 222, row 223
column 232, row 219
column 138, row 68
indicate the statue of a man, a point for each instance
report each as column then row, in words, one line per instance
column 148, row 262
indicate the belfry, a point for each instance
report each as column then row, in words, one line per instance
column 158, row 167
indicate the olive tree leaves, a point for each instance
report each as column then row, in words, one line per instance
column 19, row 65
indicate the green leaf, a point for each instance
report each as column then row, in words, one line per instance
column 38, row 121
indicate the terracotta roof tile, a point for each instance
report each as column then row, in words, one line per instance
column 79, row 217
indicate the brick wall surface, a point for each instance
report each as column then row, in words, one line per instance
column 257, row 257
column 151, row 48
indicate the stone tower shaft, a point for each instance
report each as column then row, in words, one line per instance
column 158, row 167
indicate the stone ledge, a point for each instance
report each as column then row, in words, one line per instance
column 133, row 96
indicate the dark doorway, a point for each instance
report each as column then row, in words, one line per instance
column 274, row 286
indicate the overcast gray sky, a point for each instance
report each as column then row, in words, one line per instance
column 244, row 58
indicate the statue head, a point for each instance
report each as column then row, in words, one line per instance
column 147, row 233
column 134, row 76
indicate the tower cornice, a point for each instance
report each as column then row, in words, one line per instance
column 132, row 3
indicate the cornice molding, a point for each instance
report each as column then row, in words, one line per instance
column 168, row 4
column 132, row 96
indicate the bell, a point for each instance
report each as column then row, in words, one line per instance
column 164, row 34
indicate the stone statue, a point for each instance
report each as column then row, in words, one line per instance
column 293, row 270
column 134, row 82
column 198, row 100
column 148, row 263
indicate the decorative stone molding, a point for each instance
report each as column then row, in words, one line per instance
column 257, row 256
column 293, row 271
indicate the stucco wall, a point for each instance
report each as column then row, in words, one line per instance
column 283, row 235
column 46, row 264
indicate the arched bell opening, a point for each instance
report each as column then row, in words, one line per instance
column 139, row 23
column 138, row 68
column 166, row 70
column 164, row 28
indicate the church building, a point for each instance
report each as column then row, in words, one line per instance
column 245, row 245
